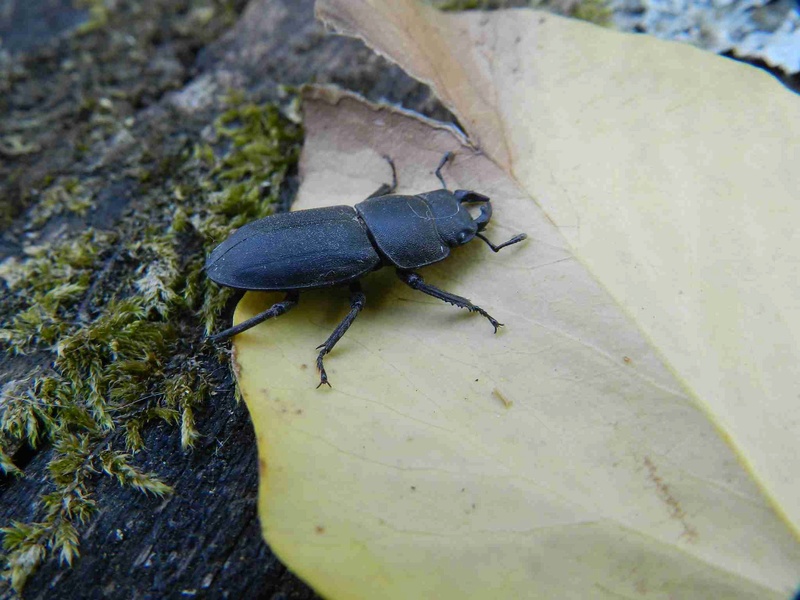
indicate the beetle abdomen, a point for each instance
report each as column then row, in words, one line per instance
column 297, row 250
column 404, row 229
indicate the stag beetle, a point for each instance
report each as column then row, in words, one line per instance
column 323, row 247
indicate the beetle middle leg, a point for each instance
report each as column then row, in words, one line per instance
column 416, row 282
column 276, row 310
column 357, row 301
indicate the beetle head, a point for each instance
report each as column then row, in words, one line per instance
column 453, row 221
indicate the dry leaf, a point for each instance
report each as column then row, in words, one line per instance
column 641, row 413
column 672, row 173
column 409, row 478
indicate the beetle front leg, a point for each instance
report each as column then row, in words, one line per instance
column 447, row 156
column 416, row 282
column 276, row 310
column 357, row 301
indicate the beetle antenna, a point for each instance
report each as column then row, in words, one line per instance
column 445, row 158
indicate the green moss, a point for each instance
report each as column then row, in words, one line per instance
column 118, row 314
column 98, row 15
column 46, row 286
column 67, row 197
column 183, row 394
column 16, row 145
column 265, row 145
column 594, row 11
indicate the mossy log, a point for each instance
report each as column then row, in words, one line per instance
column 130, row 137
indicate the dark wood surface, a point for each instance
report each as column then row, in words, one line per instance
column 204, row 540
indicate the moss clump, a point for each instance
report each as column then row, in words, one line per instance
column 265, row 146
column 46, row 286
column 98, row 15
column 73, row 105
column 117, row 314
column 594, row 11
column 58, row 199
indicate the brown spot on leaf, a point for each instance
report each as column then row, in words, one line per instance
column 627, row 360
column 262, row 467
column 304, row 366
column 665, row 494
column 319, row 529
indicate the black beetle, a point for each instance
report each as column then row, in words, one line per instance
column 323, row 247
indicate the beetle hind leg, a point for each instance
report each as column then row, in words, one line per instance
column 275, row 310
column 357, row 301
column 416, row 282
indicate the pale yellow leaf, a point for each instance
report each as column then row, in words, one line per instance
column 671, row 172
column 559, row 458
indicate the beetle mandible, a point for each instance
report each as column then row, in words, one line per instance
column 323, row 247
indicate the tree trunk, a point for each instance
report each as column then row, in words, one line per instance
column 169, row 84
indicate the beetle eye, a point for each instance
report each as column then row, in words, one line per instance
column 462, row 237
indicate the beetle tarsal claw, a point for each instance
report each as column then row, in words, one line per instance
column 495, row 323
column 323, row 376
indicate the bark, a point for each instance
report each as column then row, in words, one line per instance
column 203, row 541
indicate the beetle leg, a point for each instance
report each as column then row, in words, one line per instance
column 438, row 171
column 416, row 282
column 513, row 240
column 275, row 310
column 386, row 188
column 357, row 301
